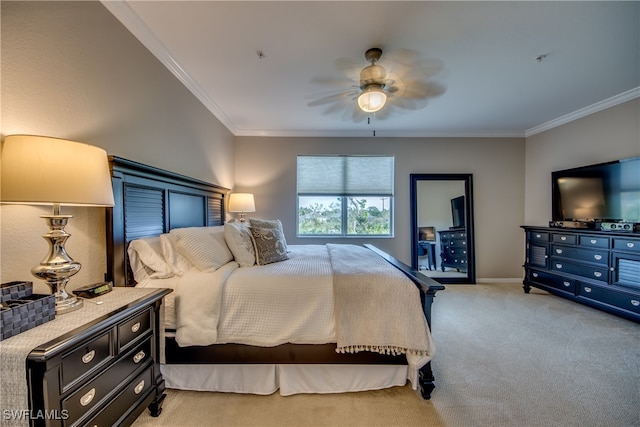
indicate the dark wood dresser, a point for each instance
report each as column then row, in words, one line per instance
column 103, row 373
column 597, row 268
column 453, row 249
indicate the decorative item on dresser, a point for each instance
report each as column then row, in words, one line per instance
column 597, row 268
column 167, row 196
column 453, row 249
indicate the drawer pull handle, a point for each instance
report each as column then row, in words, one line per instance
column 139, row 356
column 139, row 387
column 88, row 357
column 593, row 241
column 635, row 302
column 535, row 274
column 598, row 257
column 597, row 274
column 538, row 236
column 559, row 266
column 567, row 284
column 88, row 397
column 630, row 244
column 563, row 237
column 587, row 289
column 136, row 327
column 558, row 251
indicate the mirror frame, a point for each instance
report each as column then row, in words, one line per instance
column 467, row 179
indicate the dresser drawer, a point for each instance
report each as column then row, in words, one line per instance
column 594, row 242
column 82, row 360
column 135, row 391
column 628, row 245
column 561, row 283
column 134, row 328
column 600, row 274
column 577, row 253
column 535, row 236
column 83, row 400
column 567, row 239
column 622, row 300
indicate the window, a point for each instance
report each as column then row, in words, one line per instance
column 345, row 195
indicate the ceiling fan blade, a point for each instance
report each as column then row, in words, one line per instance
column 323, row 99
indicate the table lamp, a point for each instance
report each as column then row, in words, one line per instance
column 241, row 202
column 39, row 170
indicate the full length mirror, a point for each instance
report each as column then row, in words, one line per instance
column 442, row 245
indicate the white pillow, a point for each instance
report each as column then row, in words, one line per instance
column 178, row 263
column 270, row 223
column 146, row 260
column 205, row 247
column 239, row 242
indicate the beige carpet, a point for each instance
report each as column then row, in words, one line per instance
column 503, row 358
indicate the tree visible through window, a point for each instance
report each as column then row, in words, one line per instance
column 345, row 195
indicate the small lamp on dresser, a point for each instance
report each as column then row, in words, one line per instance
column 242, row 203
column 39, row 170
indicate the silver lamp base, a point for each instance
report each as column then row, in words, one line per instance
column 58, row 267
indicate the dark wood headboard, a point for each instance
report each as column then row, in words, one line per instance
column 150, row 201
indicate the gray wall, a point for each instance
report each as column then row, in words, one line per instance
column 608, row 135
column 267, row 168
column 71, row 70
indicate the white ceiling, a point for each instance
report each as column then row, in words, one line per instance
column 495, row 85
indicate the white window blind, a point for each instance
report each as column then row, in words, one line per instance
column 345, row 175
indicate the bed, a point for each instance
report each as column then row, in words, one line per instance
column 152, row 203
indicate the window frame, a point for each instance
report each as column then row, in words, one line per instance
column 343, row 199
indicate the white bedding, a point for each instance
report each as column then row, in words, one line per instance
column 289, row 301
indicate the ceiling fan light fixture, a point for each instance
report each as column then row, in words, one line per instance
column 372, row 99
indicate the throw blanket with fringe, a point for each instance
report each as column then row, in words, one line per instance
column 377, row 307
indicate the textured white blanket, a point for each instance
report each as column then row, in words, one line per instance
column 377, row 307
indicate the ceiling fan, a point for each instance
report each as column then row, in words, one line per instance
column 402, row 81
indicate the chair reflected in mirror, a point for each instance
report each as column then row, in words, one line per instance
column 427, row 248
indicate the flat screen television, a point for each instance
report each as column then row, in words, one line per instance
column 457, row 212
column 601, row 192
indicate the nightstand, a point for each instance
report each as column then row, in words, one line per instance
column 104, row 372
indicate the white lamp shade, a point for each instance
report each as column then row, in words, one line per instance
column 372, row 99
column 241, row 202
column 44, row 170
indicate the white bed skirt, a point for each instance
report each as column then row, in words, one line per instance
column 289, row 379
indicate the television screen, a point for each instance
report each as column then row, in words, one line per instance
column 606, row 191
column 457, row 212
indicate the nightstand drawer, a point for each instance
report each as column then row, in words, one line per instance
column 83, row 400
column 82, row 360
column 134, row 328
column 135, row 391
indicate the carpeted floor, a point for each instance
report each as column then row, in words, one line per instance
column 503, row 358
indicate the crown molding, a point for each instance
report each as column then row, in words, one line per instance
column 130, row 19
column 583, row 112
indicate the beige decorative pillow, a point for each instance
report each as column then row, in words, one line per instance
column 269, row 223
column 269, row 245
column 205, row 247
column 239, row 241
